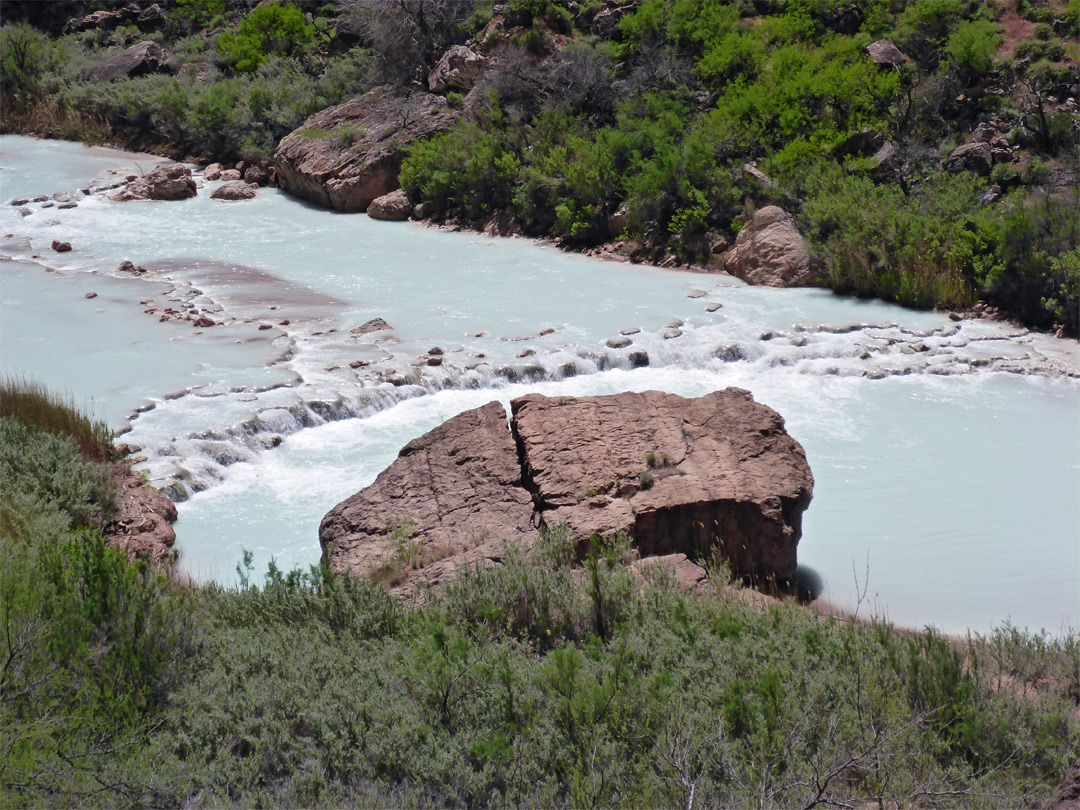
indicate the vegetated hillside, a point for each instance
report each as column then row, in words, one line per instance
column 936, row 172
column 536, row 683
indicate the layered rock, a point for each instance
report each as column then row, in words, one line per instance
column 678, row 476
column 171, row 182
column 769, row 251
column 345, row 156
column 458, row 69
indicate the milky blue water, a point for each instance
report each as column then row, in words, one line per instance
column 946, row 455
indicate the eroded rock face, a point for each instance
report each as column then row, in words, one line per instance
column 679, row 476
column 453, row 497
column 171, row 182
column 345, row 156
column 143, row 523
column 770, row 252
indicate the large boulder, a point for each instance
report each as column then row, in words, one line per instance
column 346, row 156
column 884, row 52
column 770, row 252
column 453, row 497
column 679, row 476
column 393, row 207
column 171, row 182
column 138, row 60
column 458, row 69
column 974, row 157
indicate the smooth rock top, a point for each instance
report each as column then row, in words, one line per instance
column 770, row 252
column 679, row 476
column 884, row 52
column 171, row 182
column 458, row 68
column 345, row 156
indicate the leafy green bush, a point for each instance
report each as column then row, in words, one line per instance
column 269, row 29
column 971, row 46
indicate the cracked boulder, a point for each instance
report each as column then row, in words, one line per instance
column 713, row 475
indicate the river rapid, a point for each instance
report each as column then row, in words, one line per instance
column 946, row 455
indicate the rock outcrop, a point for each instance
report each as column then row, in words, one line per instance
column 345, row 156
column 144, row 518
column 171, row 182
column 975, row 157
column 458, row 69
column 392, row 207
column 770, row 252
column 678, row 476
column 138, row 60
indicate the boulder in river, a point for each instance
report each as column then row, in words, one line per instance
column 393, row 207
column 171, row 182
column 770, row 252
column 691, row 476
column 235, row 190
column 347, row 155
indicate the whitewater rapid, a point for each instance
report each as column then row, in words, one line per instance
column 946, row 454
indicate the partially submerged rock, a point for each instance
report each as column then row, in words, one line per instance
column 346, row 156
column 171, row 182
column 678, row 476
column 235, row 190
column 769, row 251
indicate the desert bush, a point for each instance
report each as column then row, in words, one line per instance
column 270, row 28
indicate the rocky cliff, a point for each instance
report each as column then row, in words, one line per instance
column 693, row 476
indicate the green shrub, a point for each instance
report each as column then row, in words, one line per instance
column 270, row 28
column 971, row 46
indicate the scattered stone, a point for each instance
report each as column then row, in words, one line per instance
column 618, row 343
column 20, row 201
column 696, row 294
column 526, row 353
column 203, row 322
column 713, row 307
column 212, row 172
column 632, row 331
column 638, row 358
column 230, row 175
column 670, row 334
column 541, row 333
column 67, row 206
column 435, row 361
column 61, row 247
column 264, row 326
column 257, row 175
column 90, row 295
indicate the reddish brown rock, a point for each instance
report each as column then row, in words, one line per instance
column 171, row 182
column 346, row 156
column 770, row 252
column 61, row 247
column 230, row 175
column 458, row 69
column 374, row 325
column 213, row 172
column 679, row 476
column 235, row 190
column 392, row 207
column 453, row 497
column 143, row 523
